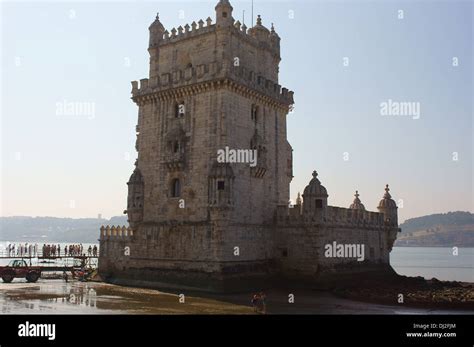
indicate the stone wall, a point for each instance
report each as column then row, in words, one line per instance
column 198, row 256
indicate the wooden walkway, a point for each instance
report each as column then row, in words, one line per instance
column 11, row 255
column 54, row 263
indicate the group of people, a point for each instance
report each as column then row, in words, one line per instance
column 49, row 250
column 22, row 249
column 259, row 303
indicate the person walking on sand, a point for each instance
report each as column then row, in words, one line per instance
column 263, row 299
column 255, row 300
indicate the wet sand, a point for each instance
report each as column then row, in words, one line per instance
column 58, row 297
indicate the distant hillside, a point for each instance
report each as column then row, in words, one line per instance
column 51, row 229
column 438, row 230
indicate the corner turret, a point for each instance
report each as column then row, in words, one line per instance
column 135, row 198
column 156, row 32
column 315, row 197
column 224, row 14
column 388, row 207
column 260, row 32
column 274, row 38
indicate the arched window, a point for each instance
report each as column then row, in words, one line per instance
column 175, row 188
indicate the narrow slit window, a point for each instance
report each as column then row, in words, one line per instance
column 175, row 188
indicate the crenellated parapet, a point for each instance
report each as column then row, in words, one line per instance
column 333, row 216
column 187, row 31
column 193, row 80
column 341, row 215
column 270, row 41
column 107, row 232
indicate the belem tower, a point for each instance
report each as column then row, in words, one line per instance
column 199, row 223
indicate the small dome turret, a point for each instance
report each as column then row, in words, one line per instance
column 259, row 31
column 357, row 204
column 273, row 33
column 314, row 188
column 274, row 38
column 315, row 197
column 157, row 31
column 157, row 25
column 388, row 207
column 299, row 201
column 387, row 201
column 224, row 13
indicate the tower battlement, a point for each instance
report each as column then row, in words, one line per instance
column 115, row 231
column 187, row 32
column 173, row 84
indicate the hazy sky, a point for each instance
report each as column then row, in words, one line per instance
column 341, row 58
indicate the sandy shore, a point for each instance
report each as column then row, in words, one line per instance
column 58, row 297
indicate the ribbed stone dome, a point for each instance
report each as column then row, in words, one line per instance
column 357, row 204
column 314, row 188
column 387, row 201
column 157, row 25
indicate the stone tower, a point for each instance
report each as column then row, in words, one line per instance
column 210, row 87
column 198, row 221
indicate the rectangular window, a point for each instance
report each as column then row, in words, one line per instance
column 220, row 185
column 319, row 203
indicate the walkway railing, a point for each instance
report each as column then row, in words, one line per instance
column 45, row 255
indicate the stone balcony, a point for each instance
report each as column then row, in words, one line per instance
column 175, row 161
